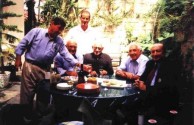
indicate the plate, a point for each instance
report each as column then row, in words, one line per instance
column 113, row 83
column 70, row 78
column 63, row 86
column 88, row 88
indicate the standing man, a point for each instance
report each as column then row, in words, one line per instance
column 83, row 33
column 40, row 47
column 101, row 62
column 63, row 66
column 133, row 66
column 158, row 84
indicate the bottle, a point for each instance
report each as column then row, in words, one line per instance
column 81, row 75
column 47, row 77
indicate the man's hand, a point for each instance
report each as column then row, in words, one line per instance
column 93, row 73
column 121, row 73
column 87, row 68
column 18, row 62
column 103, row 72
column 71, row 73
column 140, row 84
column 124, row 74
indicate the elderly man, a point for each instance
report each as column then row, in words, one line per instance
column 101, row 62
column 158, row 83
column 62, row 66
column 133, row 66
column 83, row 33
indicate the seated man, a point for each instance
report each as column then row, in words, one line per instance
column 63, row 66
column 157, row 85
column 101, row 62
column 132, row 67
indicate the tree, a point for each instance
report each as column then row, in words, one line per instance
column 30, row 22
column 170, row 16
column 65, row 8
column 3, row 28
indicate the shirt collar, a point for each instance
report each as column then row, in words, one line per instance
column 87, row 30
column 50, row 39
column 97, row 57
column 138, row 59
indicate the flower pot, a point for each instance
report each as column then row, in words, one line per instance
column 4, row 79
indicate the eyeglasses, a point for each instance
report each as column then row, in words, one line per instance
column 99, row 48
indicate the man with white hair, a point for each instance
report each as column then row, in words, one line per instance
column 133, row 66
column 101, row 62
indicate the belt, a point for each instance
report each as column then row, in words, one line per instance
column 41, row 65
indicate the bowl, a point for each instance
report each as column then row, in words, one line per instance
column 92, row 80
column 63, row 86
column 88, row 88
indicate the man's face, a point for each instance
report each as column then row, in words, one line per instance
column 97, row 49
column 72, row 47
column 157, row 52
column 85, row 18
column 134, row 52
column 54, row 30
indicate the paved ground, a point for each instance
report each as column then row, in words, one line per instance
column 11, row 112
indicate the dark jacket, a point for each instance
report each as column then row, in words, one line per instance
column 164, row 94
column 102, row 61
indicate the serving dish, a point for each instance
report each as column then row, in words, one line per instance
column 113, row 83
column 87, row 88
column 63, row 86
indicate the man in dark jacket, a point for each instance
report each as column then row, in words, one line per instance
column 158, row 84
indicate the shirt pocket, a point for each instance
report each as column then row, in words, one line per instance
column 52, row 52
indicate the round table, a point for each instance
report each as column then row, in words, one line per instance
column 67, row 103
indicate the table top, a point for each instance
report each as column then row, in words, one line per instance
column 104, row 92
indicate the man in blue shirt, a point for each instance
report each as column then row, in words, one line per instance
column 40, row 47
column 133, row 66
column 62, row 66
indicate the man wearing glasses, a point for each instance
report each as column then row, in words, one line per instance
column 101, row 62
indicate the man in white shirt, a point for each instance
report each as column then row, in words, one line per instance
column 83, row 33
column 133, row 66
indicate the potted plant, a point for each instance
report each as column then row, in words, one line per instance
column 6, row 39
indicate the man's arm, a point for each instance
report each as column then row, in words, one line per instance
column 18, row 62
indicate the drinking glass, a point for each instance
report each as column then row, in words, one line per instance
column 90, row 70
column 100, row 71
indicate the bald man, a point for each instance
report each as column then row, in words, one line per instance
column 158, row 83
column 101, row 62
column 63, row 66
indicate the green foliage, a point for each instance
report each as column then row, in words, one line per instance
column 5, row 15
column 6, row 3
column 4, row 28
column 172, row 15
column 65, row 8
column 109, row 13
